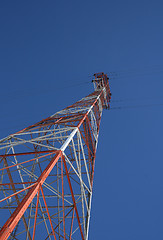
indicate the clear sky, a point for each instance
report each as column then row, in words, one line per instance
column 48, row 52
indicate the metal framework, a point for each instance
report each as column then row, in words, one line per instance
column 47, row 169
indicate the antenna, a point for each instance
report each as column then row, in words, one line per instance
column 47, row 171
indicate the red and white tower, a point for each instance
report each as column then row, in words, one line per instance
column 47, row 169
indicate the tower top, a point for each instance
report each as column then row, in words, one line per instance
column 101, row 81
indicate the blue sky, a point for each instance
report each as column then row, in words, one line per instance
column 48, row 52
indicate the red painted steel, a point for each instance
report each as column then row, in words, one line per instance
column 18, row 213
column 34, row 227
column 48, row 214
column 77, row 214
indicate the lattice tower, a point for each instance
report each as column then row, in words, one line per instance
column 47, row 169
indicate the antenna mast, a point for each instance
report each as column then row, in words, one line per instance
column 47, row 171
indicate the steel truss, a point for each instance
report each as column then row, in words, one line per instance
column 47, row 171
